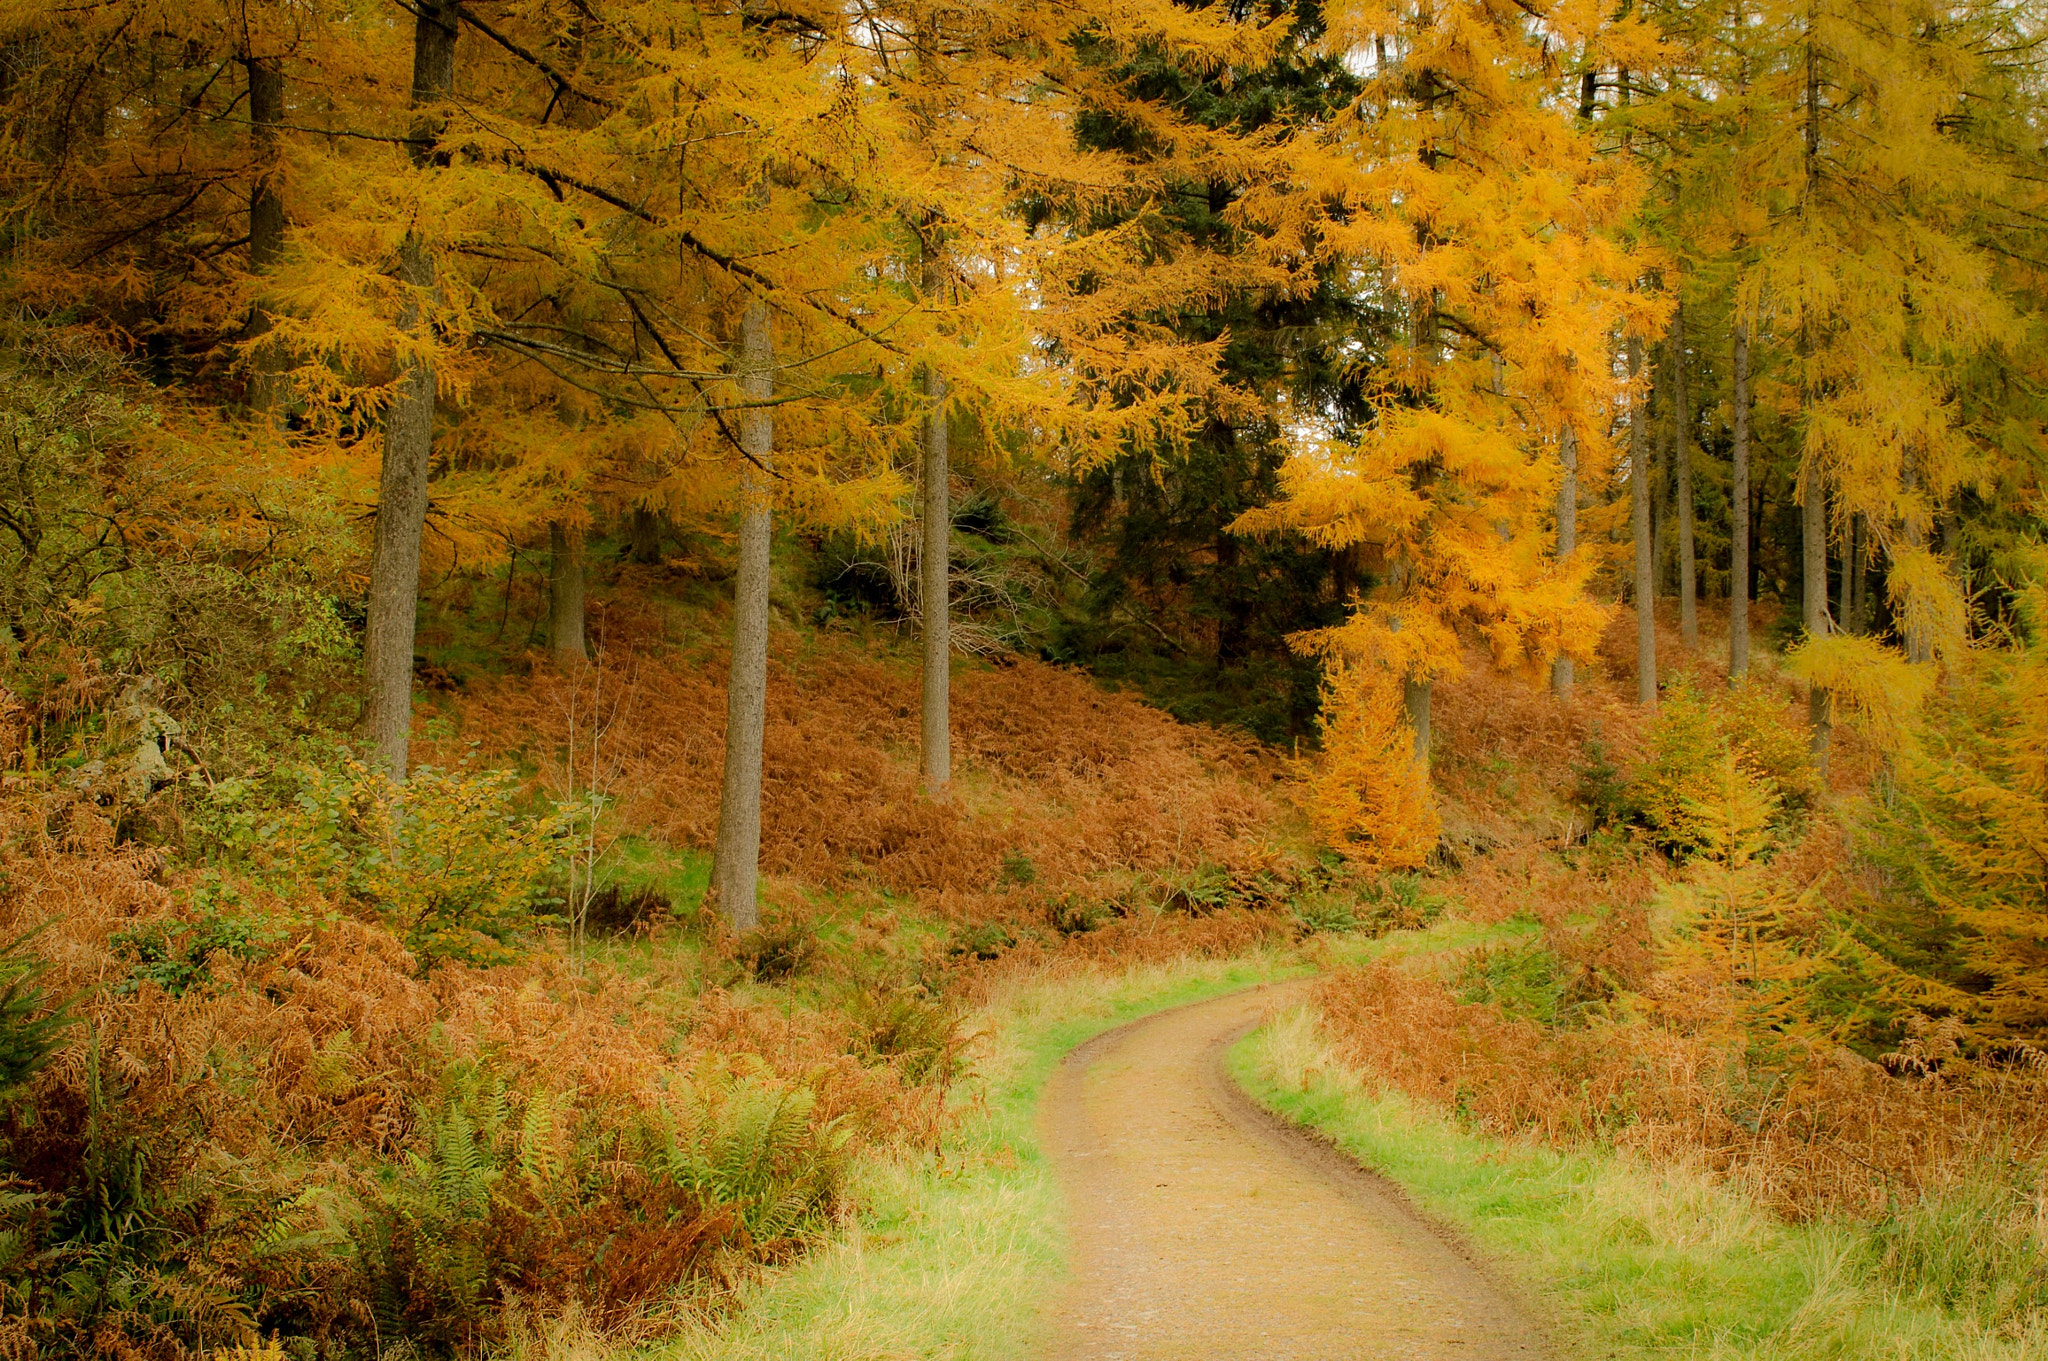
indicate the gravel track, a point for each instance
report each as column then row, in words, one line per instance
column 1206, row 1228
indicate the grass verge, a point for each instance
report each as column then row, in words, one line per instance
column 1625, row 1259
column 952, row 1256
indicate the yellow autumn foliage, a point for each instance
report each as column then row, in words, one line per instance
column 1873, row 685
column 1368, row 795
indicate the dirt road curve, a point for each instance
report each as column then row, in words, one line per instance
column 1205, row 1230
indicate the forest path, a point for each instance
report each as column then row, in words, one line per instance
column 1205, row 1228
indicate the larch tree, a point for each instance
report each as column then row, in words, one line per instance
column 1459, row 187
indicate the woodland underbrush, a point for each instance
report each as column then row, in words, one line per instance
column 279, row 1124
column 292, row 1055
column 1082, row 822
column 1716, row 966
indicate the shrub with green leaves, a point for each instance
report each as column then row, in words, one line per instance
column 450, row 860
column 1690, row 742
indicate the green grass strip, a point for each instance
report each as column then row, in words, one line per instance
column 1624, row 1259
column 955, row 1256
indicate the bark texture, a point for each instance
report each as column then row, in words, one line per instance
column 1859, row 580
column 643, row 533
column 736, row 859
column 266, row 225
column 408, row 439
column 1813, row 543
column 565, row 595
column 1845, row 587
column 935, row 572
column 1639, row 474
column 1415, row 695
column 1567, row 536
column 1738, row 511
column 1681, row 456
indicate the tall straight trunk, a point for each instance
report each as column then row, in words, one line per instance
column 1233, row 625
column 1664, row 580
column 1845, row 590
column 1681, row 454
column 1759, row 514
column 1567, row 536
column 935, row 564
column 1415, row 696
column 1639, row 474
column 565, row 595
column 1919, row 647
column 408, row 437
column 736, row 858
column 1738, row 512
column 1859, row 580
column 1416, row 692
column 266, row 223
column 1813, row 519
column 1813, row 546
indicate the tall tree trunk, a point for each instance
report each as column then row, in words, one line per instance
column 266, row 224
column 1845, row 590
column 1415, row 695
column 1813, row 519
column 408, row 437
column 1567, row 536
column 565, row 595
column 935, row 571
column 1234, row 622
column 736, row 859
column 1813, row 545
column 1681, row 458
column 935, row 557
column 1639, row 474
column 1859, row 579
column 1738, row 511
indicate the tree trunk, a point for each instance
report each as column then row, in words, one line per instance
column 1813, row 519
column 643, row 535
column 736, row 859
column 1567, row 537
column 1665, row 579
column 565, row 595
column 1919, row 647
column 1639, row 474
column 935, row 571
column 1681, row 455
column 408, row 439
column 935, row 555
column 266, row 226
column 1759, row 513
column 1845, row 589
column 1738, row 511
column 1415, row 695
column 1859, row 579
column 1813, row 545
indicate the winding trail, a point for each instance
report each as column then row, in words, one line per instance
column 1206, row 1229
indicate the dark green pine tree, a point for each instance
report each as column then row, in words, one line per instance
column 1175, row 603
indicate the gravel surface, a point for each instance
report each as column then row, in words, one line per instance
column 1204, row 1227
